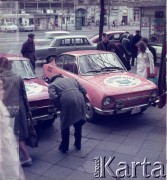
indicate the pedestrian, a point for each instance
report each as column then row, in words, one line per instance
column 28, row 49
column 144, row 60
column 102, row 45
column 125, row 41
column 152, row 49
column 136, row 38
column 121, row 52
column 113, row 23
column 69, row 96
column 15, row 100
column 9, row 155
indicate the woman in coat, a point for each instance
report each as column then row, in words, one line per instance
column 15, row 100
column 144, row 60
column 9, row 156
column 70, row 97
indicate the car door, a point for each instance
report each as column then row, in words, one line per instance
column 83, row 44
column 65, row 45
column 70, row 67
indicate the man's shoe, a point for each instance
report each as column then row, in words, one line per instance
column 27, row 162
column 62, row 150
column 78, row 147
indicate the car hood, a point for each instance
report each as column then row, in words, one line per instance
column 36, row 89
column 119, row 83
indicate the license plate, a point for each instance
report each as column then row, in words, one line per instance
column 136, row 110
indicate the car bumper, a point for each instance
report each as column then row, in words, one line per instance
column 50, row 113
column 124, row 110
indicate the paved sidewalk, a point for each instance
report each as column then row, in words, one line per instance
column 127, row 138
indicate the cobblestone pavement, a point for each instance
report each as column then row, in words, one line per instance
column 127, row 138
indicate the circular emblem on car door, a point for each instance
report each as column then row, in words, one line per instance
column 33, row 88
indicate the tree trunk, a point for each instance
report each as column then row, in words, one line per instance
column 101, row 19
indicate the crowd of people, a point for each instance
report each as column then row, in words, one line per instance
column 131, row 50
column 67, row 95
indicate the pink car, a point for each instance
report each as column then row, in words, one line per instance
column 36, row 89
column 110, row 88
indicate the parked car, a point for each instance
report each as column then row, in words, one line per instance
column 37, row 91
column 63, row 44
column 115, row 36
column 26, row 27
column 8, row 27
column 49, row 36
column 110, row 88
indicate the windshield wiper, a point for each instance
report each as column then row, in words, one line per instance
column 96, row 71
column 112, row 68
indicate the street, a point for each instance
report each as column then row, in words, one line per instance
column 128, row 138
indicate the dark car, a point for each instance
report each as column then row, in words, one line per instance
column 63, row 44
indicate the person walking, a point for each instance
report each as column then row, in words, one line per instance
column 136, row 38
column 28, row 49
column 121, row 52
column 69, row 96
column 152, row 49
column 102, row 45
column 144, row 60
column 15, row 100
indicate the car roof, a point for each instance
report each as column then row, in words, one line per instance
column 70, row 36
column 86, row 52
column 12, row 57
column 56, row 32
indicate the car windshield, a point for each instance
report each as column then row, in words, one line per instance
column 99, row 63
column 23, row 69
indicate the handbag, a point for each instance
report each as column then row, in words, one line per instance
column 149, row 75
column 32, row 140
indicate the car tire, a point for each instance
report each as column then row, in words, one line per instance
column 91, row 115
column 50, row 58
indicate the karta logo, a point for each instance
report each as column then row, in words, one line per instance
column 33, row 88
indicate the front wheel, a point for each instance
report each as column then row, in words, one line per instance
column 91, row 115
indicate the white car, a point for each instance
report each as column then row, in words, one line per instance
column 26, row 27
column 49, row 36
column 8, row 27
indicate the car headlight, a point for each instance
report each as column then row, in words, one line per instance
column 106, row 101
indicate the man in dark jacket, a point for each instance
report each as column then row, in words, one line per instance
column 121, row 52
column 102, row 45
column 70, row 97
column 28, row 49
column 136, row 38
column 150, row 48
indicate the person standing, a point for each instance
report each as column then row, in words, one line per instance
column 28, row 49
column 152, row 49
column 136, row 38
column 102, row 45
column 69, row 96
column 121, row 52
column 144, row 60
column 15, row 100
column 9, row 155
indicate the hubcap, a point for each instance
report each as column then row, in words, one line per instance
column 89, row 111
